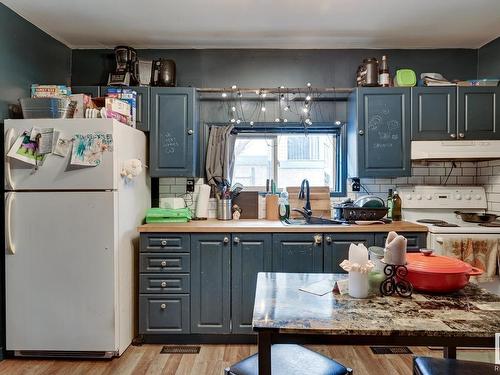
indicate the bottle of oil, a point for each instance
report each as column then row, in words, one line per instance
column 396, row 207
column 384, row 79
column 390, row 204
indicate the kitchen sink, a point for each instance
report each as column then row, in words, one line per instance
column 312, row 221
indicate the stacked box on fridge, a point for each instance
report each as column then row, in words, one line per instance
column 127, row 95
column 50, row 91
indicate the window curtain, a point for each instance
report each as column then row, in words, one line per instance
column 219, row 165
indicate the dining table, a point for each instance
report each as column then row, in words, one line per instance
column 285, row 313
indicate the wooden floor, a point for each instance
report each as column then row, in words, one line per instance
column 212, row 360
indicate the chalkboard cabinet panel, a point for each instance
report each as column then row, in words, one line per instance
column 210, row 283
column 434, row 113
column 251, row 253
column 336, row 248
column 379, row 132
column 298, row 252
column 142, row 105
column 478, row 113
column 174, row 132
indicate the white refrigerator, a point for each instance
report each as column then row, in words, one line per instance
column 70, row 244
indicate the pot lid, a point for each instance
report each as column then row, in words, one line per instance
column 436, row 264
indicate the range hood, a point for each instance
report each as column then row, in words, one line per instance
column 460, row 150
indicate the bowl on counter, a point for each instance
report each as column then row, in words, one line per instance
column 438, row 274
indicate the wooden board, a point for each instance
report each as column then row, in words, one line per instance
column 319, row 197
column 248, row 201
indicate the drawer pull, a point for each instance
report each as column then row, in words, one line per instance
column 164, row 263
column 226, row 240
column 163, row 242
column 163, row 284
column 163, row 306
column 328, row 240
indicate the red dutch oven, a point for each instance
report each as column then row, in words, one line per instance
column 438, row 274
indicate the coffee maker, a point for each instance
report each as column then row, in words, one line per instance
column 127, row 68
column 163, row 73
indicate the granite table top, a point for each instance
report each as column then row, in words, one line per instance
column 280, row 305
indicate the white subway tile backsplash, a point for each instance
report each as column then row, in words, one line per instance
column 485, row 171
column 181, row 181
column 465, row 180
column 494, row 163
column 451, row 180
column 167, row 181
column 178, row 189
column 164, row 189
column 432, row 180
column 415, row 180
column 419, row 171
column 436, row 171
column 468, row 171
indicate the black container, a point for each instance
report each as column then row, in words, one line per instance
column 163, row 73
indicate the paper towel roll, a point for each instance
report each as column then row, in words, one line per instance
column 202, row 202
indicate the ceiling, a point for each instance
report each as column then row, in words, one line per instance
column 265, row 23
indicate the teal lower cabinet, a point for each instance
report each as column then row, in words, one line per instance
column 415, row 240
column 210, row 283
column 336, row 248
column 251, row 253
column 297, row 252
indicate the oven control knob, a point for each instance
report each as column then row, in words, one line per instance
column 478, row 197
column 458, row 197
column 419, row 197
column 408, row 197
column 468, row 197
column 428, row 197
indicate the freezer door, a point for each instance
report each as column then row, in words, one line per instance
column 60, row 269
column 57, row 173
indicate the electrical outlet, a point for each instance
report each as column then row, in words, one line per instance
column 190, row 185
column 356, row 184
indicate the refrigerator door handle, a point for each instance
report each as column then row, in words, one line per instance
column 10, row 249
column 9, row 137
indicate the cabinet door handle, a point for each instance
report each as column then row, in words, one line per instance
column 361, row 132
column 163, row 284
column 164, row 263
column 318, row 239
column 163, row 306
column 226, row 240
column 9, row 200
column 163, row 242
column 328, row 240
column 453, row 135
column 236, row 240
column 461, row 135
column 190, row 132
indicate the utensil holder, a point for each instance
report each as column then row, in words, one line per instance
column 358, row 284
column 224, row 209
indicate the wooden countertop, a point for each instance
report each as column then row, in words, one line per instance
column 266, row 226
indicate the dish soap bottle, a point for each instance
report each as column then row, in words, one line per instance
column 396, row 207
column 284, row 206
column 390, row 204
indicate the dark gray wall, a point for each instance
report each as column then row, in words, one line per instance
column 28, row 55
column 488, row 64
column 272, row 68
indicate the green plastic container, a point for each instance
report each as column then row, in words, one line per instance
column 405, row 78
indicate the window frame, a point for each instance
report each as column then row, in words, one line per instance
column 272, row 130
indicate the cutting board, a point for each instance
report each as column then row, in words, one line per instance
column 248, row 201
column 319, row 197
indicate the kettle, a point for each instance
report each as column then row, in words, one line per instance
column 163, row 73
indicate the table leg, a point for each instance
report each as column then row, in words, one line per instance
column 450, row 352
column 264, row 344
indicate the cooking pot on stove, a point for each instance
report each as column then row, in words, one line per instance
column 438, row 274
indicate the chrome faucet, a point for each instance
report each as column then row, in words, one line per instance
column 305, row 193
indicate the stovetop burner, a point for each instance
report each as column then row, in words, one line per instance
column 445, row 224
column 431, row 221
column 490, row 225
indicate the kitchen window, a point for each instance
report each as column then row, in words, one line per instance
column 289, row 156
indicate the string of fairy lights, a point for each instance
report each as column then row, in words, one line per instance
column 297, row 105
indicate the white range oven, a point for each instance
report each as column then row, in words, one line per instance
column 435, row 206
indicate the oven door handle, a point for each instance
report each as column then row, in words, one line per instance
column 439, row 240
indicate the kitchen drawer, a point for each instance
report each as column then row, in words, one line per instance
column 165, row 243
column 165, row 263
column 164, row 313
column 164, row 283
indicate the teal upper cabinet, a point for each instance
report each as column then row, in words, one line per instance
column 298, row 252
column 174, row 132
column 434, row 113
column 210, row 283
column 478, row 113
column 379, row 132
column 142, row 106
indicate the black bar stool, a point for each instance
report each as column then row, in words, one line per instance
column 444, row 366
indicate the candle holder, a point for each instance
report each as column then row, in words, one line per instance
column 395, row 281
